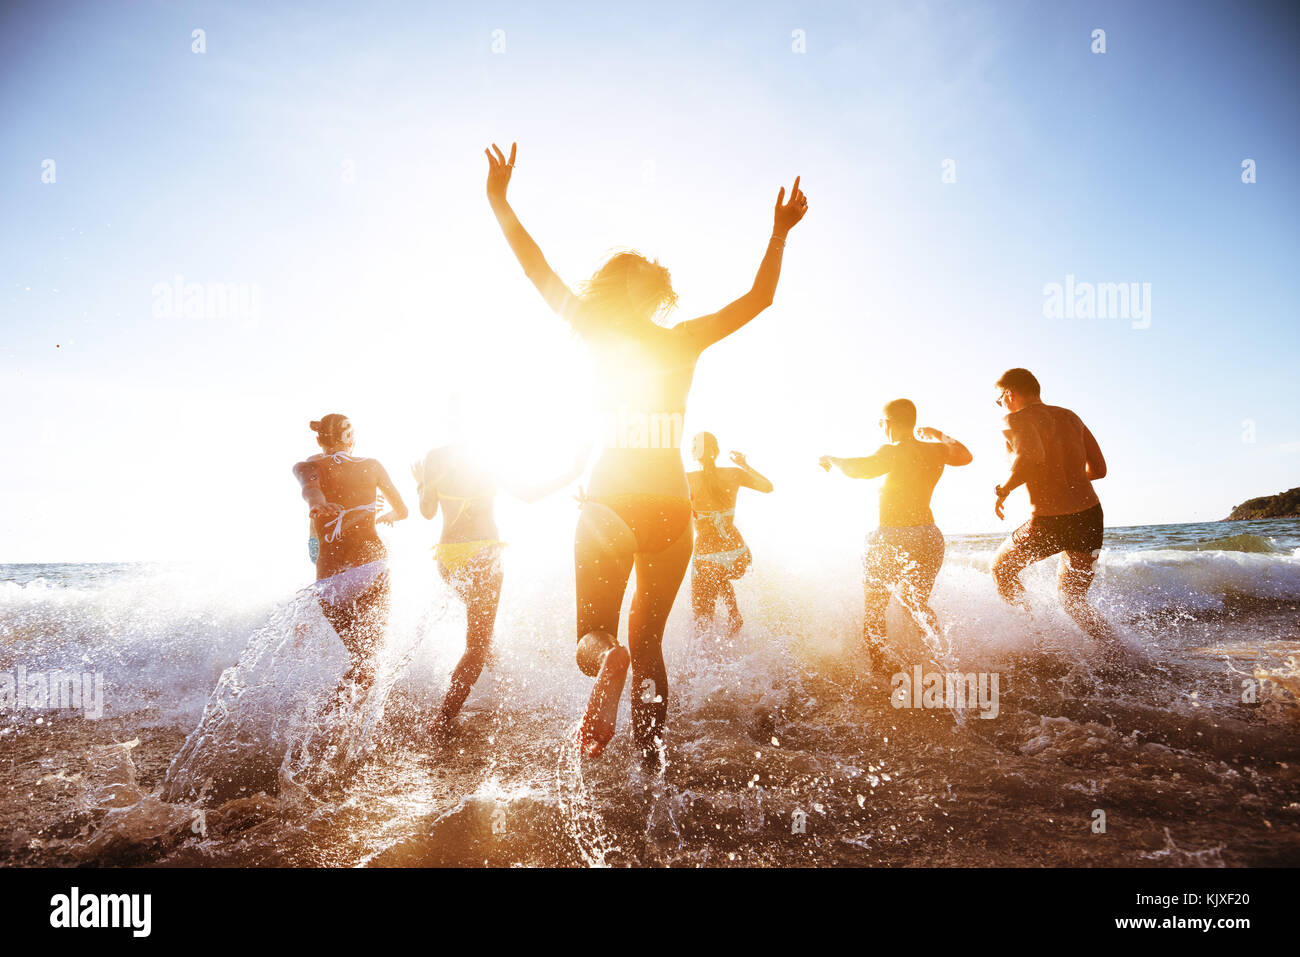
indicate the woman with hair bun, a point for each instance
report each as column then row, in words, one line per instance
column 343, row 493
column 637, row 513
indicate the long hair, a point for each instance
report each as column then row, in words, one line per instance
column 709, row 464
column 627, row 289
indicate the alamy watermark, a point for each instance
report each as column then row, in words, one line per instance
column 635, row 429
column 23, row 690
column 1101, row 300
column 970, row 692
column 206, row 300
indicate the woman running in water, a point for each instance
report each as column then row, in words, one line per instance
column 721, row 555
column 637, row 513
column 352, row 569
column 469, row 551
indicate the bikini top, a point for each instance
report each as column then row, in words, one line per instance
column 719, row 517
column 335, row 529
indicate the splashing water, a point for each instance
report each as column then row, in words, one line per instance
column 218, row 745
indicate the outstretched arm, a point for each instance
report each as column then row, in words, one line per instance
column 869, row 467
column 749, row 476
column 529, row 254
column 539, row 490
column 956, row 453
column 385, row 484
column 707, row 330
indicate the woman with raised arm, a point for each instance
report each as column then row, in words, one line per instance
column 352, row 568
column 721, row 555
column 637, row 512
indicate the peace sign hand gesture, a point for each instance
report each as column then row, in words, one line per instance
column 499, row 170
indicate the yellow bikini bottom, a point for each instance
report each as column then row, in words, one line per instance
column 455, row 556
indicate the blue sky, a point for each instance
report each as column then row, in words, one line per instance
column 329, row 155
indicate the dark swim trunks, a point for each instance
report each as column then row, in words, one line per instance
column 1045, row 535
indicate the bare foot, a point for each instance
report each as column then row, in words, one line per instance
column 602, row 708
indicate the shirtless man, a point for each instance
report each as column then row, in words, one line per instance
column 1057, row 459
column 905, row 553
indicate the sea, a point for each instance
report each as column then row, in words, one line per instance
column 174, row 714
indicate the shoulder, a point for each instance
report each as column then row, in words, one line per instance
column 1068, row 415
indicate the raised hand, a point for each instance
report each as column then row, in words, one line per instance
column 932, row 435
column 826, row 461
column 787, row 214
column 499, row 170
column 739, row 459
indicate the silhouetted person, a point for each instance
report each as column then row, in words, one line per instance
column 352, row 568
column 469, row 551
column 1057, row 459
column 721, row 555
column 903, row 556
column 637, row 513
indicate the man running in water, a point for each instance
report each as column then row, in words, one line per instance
column 1057, row 459
column 904, row 554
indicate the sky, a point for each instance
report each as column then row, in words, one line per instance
column 325, row 162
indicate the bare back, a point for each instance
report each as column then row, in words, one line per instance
column 1059, row 448
column 642, row 381
column 914, row 470
column 465, row 493
column 347, row 539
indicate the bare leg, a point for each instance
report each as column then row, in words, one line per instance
column 1010, row 560
column 479, row 587
column 1074, row 578
column 916, row 584
column 704, row 596
column 728, row 593
column 603, row 552
column 658, row 578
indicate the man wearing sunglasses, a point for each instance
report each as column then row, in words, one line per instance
column 1057, row 459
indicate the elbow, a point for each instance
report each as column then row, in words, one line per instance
column 966, row 459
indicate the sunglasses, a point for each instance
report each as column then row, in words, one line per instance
column 1002, row 396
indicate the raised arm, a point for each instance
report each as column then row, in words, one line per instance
column 707, row 330
column 869, row 467
column 1095, row 462
column 394, row 497
column 529, row 254
column 749, row 476
column 955, row 452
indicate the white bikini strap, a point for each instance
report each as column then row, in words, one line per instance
column 335, row 528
